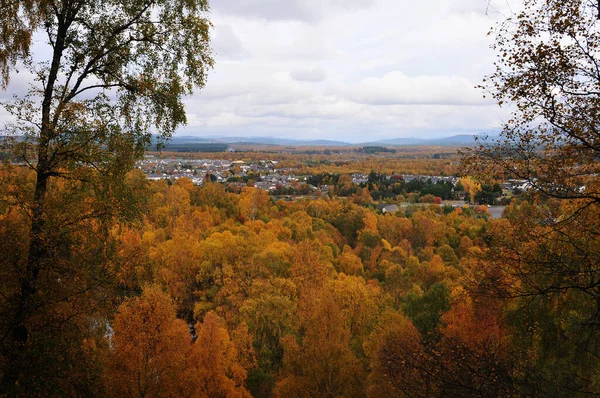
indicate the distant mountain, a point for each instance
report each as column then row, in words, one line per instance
column 323, row 143
column 193, row 141
column 455, row 140
column 182, row 140
column 402, row 141
column 188, row 139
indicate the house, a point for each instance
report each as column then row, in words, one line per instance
column 388, row 208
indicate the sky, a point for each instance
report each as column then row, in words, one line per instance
column 348, row 70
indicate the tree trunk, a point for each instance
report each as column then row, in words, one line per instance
column 38, row 246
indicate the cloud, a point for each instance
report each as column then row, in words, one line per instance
column 480, row 7
column 326, row 108
column 349, row 122
column 286, row 10
column 263, row 90
column 266, row 9
column 20, row 82
column 396, row 88
column 309, row 75
column 226, row 44
column 352, row 70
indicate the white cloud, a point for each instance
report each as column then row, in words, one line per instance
column 302, row 10
column 392, row 68
column 309, row 75
column 20, row 82
column 226, row 44
column 228, row 119
column 398, row 88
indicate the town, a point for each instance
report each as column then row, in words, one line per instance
column 387, row 191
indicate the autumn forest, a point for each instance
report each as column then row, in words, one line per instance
column 368, row 271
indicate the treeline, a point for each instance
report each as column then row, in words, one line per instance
column 381, row 186
column 375, row 149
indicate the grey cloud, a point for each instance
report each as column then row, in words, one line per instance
column 469, row 6
column 20, row 83
column 490, row 8
column 266, row 9
column 396, row 88
column 309, row 75
column 268, row 52
column 317, row 108
column 282, row 10
column 227, row 44
column 224, row 90
column 416, row 120
column 441, row 54
column 263, row 91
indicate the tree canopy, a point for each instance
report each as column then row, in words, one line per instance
column 111, row 74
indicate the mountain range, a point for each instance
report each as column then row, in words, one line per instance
column 455, row 140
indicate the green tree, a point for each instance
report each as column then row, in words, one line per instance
column 426, row 309
column 114, row 71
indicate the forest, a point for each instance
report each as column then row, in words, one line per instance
column 115, row 285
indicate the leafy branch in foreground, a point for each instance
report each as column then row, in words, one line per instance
column 115, row 71
column 543, row 259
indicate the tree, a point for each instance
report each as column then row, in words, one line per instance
column 544, row 257
column 216, row 362
column 547, row 66
column 471, row 355
column 429, row 198
column 323, row 365
column 253, row 203
column 394, row 350
column 77, row 283
column 115, row 70
column 177, row 264
column 467, row 357
column 149, row 350
column 547, row 275
column 271, row 313
column 426, row 309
